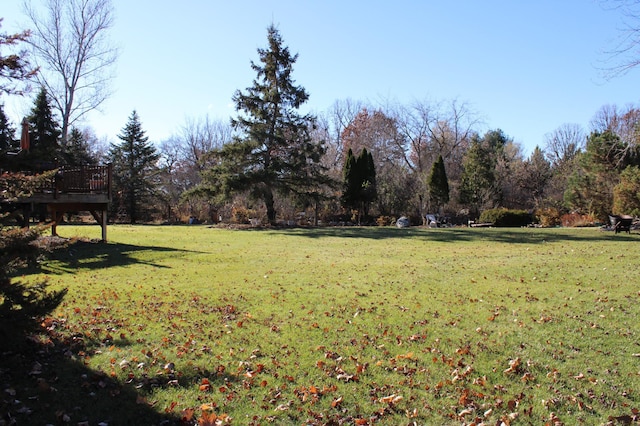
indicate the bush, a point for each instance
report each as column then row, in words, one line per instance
column 575, row 220
column 385, row 220
column 548, row 217
column 505, row 217
column 626, row 194
column 242, row 215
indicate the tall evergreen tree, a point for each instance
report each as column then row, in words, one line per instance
column 7, row 132
column 438, row 184
column 76, row 152
column 274, row 152
column 367, row 170
column 7, row 142
column 479, row 186
column 350, row 181
column 134, row 170
column 44, row 151
column 359, row 182
column 534, row 176
column 591, row 185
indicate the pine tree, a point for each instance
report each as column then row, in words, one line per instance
column 274, row 152
column 7, row 142
column 44, row 152
column 359, row 177
column 438, row 184
column 590, row 186
column 351, row 182
column 76, row 152
column 7, row 132
column 479, row 188
column 134, row 170
column 21, row 304
column 367, row 170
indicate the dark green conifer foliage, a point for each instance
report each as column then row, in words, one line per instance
column 7, row 133
column 438, row 185
column 134, row 171
column 590, row 186
column 359, row 176
column 21, row 304
column 369, row 185
column 76, row 153
column 478, row 186
column 44, row 131
column 274, row 151
column 351, row 182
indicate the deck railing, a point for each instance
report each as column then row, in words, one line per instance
column 79, row 180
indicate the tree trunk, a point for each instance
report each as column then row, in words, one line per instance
column 269, row 204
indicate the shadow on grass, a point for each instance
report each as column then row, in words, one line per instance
column 43, row 382
column 81, row 254
column 453, row 235
column 43, row 379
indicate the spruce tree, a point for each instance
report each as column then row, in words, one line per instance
column 76, row 152
column 134, row 171
column 367, row 171
column 479, row 188
column 351, row 182
column 7, row 142
column 438, row 184
column 44, row 152
column 7, row 133
column 273, row 152
column 359, row 177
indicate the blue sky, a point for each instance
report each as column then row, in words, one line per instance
column 525, row 67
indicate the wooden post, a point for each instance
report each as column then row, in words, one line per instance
column 104, row 225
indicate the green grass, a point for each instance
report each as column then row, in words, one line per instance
column 355, row 325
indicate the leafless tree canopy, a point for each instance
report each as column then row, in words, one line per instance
column 564, row 143
column 198, row 137
column 625, row 53
column 621, row 121
column 331, row 126
column 70, row 44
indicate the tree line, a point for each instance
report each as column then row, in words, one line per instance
column 355, row 163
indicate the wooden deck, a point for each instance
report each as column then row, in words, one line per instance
column 85, row 188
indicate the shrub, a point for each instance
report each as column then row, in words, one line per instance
column 548, row 217
column 385, row 220
column 575, row 220
column 626, row 194
column 505, row 217
column 242, row 215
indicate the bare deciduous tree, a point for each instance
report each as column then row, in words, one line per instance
column 430, row 129
column 564, row 143
column 624, row 123
column 330, row 128
column 198, row 137
column 625, row 54
column 70, row 44
column 182, row 158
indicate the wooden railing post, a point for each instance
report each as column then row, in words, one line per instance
column 109, row 181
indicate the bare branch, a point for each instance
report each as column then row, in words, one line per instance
column 70, row 43
column 15, row 69
column 625, row 54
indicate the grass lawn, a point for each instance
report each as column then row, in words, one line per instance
column 359, row 326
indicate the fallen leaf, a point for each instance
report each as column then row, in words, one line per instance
column 336, row 402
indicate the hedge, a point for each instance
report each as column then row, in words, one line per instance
column 506, row 218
